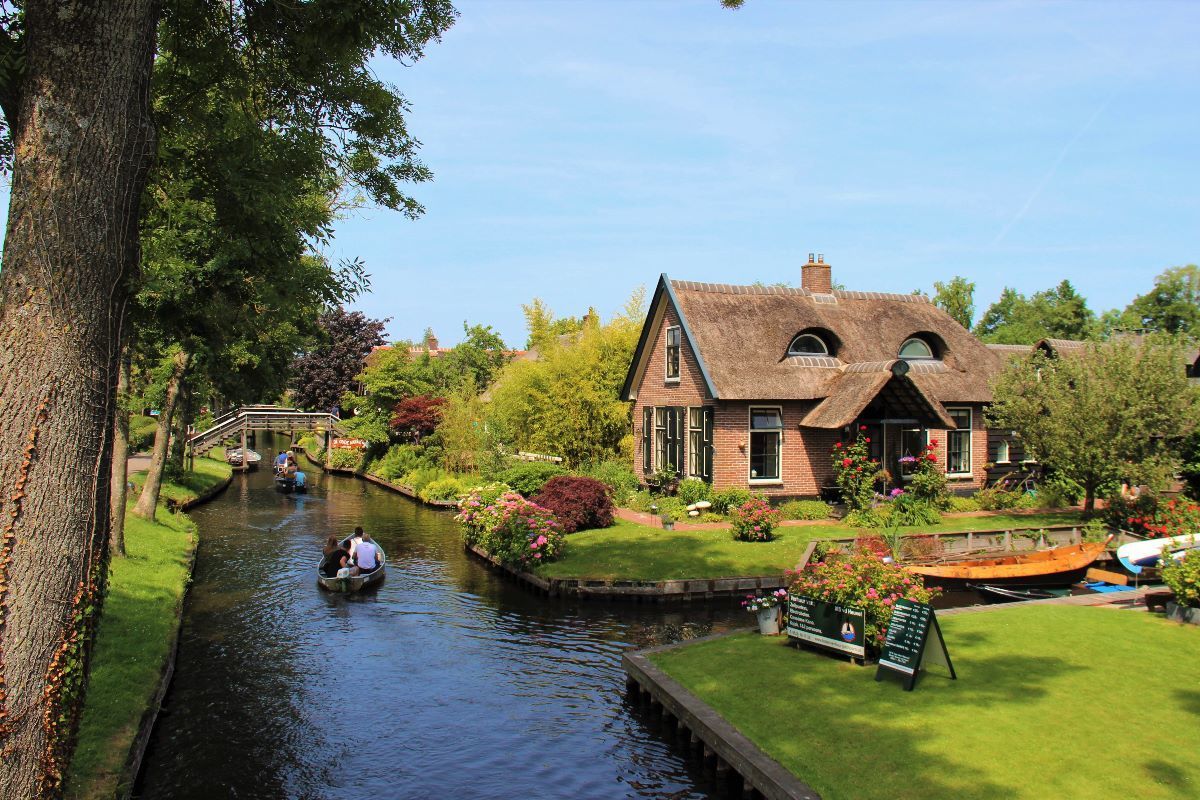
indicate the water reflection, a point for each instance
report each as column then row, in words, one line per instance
column 448, row 681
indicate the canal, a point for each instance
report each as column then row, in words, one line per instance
column 448, row 681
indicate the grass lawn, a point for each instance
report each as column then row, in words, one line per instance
column 206, row 474
column 1051, row 701
column 145, row 592
column 630, row 551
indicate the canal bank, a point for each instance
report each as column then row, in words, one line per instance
column 449, row 680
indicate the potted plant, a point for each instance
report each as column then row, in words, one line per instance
column 1183, row 579
column 766, row 607
column 668, row 522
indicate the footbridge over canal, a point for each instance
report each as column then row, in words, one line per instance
column 276, row 419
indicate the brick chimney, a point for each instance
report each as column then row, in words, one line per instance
column 816, row 276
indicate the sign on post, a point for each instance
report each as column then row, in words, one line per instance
column 348, row 444
column 906, row 650
column 827, row 625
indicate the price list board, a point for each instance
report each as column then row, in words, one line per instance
column 827, row 625
column 907, row 648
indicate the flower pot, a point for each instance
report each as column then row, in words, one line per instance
column 768, row 621
column 1185, row 614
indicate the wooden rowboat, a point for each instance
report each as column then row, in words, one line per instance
column 1060, row 566
column 234, row 457
column 353, row 583
column 1135, row 556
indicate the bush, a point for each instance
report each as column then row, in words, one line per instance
column 421, row 477
column 1058, row 491
column 441, row 489
column 754, row 521
column 1150, row 517
column 693, row 490
column 862, row 580
column 804, row 509
column 868, row 517
column 640, row 500
column 342, row 458
column 928, row 482
column 1183, row 578
column 488, row 492
column 725, row 500
column 617, row 476
column 529, row 477
column 141, row 433
column 854, row 471
column 961, row 504
column 997, row 499
column 578, row 503
column 397, row 462
column 519, row 533
column 907, row 509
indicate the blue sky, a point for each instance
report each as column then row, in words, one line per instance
column 581, row 148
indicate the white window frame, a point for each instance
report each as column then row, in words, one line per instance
column 970, row 431
column 661, row 434
column 678, row 354
column 777, row 481
column 798, row 336
column 932, row 351
column 1003, row 443
column 695, row 458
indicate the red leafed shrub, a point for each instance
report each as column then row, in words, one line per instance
column 578, row 503
column 414, row 418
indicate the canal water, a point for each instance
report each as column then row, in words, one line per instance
column 448, row 681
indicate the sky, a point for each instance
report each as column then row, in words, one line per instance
column 580, row 149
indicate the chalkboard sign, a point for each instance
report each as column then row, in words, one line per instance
column 906, row 649
column 827, row 625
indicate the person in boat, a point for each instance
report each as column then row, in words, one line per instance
column 366, row 556
column 291, row 468
column 281, row 461
column 352, row 542
column 300, row 479
column 336, row 557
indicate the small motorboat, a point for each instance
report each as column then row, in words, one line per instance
column 1136, row 556
column 1059, row 566
column 1009, row 594
column 347, row 583
column 234, row 458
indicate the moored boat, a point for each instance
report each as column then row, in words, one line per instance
column 350, row 583
column 1059, row 566
column 1136, row 556
column 1010, row 594
column 234, row 457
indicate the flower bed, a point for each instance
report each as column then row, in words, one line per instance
column 516, row 531
column 754, row 521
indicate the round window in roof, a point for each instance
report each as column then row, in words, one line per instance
column 915, row 348
column 808, row 344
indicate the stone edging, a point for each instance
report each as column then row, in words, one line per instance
column 730, row 746
column 684, row 589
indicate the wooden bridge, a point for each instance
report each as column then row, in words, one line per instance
column 276, row 419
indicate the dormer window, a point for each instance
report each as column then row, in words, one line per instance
column 808, row 344
column 915, row 348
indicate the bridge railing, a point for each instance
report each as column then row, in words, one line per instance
column 258, row 418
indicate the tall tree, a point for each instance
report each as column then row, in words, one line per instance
column 1171, row 306
column 1110, row 414
column 478, row 357
column 1058, row 313
column 321, row 375
column 956, row 298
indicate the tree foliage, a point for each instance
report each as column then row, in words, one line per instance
column 956, row 298
column 325, row 372
column 1171, row 306
column 1116, row 412
column 1058, row 313
column 414, row 418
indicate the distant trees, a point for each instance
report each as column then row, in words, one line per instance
column 1115, row 412
column 321, row 375
column 1171, row 306
column 956, row 298
column 1058, row 313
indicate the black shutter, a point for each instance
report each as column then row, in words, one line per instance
column 680, row 429
column 648, row 439
column 707, row 435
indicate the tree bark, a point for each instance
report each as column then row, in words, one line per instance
column 120, row 457
column 148, row 501
column 83, row 143
column 185, row 414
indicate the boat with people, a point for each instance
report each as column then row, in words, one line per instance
column 1137, row 556
column 1058, row 566
column 234, row 458
column 347, row 579
column 288, row 477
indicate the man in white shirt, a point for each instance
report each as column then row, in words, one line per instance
column 352, row 545
column 366, row 555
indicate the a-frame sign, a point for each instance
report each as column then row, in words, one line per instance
column 906, row 650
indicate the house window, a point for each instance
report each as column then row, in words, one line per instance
column 661, row 432
column 1002, row 451
column 958, row 442
column 673, row 354
column 696, row 442
column 912, row 442
column 766, row 436
column 915, row 348
column 807, row 344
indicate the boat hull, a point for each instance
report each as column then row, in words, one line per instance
column 354, row 583
column 1136, row 556
column 1060, row 566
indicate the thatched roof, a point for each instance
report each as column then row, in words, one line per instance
column 743, row 333
column 1010, row 350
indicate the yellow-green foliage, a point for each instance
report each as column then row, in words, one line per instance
column 145, row 590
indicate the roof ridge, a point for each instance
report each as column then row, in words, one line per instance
column 731, row 288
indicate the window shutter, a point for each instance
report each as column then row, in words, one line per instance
column 707, row 461
column 680, row 428
column 648, row 439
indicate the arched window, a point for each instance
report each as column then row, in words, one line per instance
column 808, row 344
column 915, row 348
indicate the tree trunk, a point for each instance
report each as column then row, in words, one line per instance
column 186, row 409
column 83, row 142
column 1089, row 499
column 148, row 501
column 120, row 456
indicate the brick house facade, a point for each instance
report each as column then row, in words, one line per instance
column 721, row 392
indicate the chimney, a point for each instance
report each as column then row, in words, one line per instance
column 431, row 341
column 816, row 276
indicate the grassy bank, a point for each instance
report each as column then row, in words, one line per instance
column 631, row 551
column 207, row 473
column 135, row 635
column 1051, row 701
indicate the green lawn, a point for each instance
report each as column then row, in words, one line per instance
column 630, row 551
column 145, row 592
column 207, row 473
column 1051, row 701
